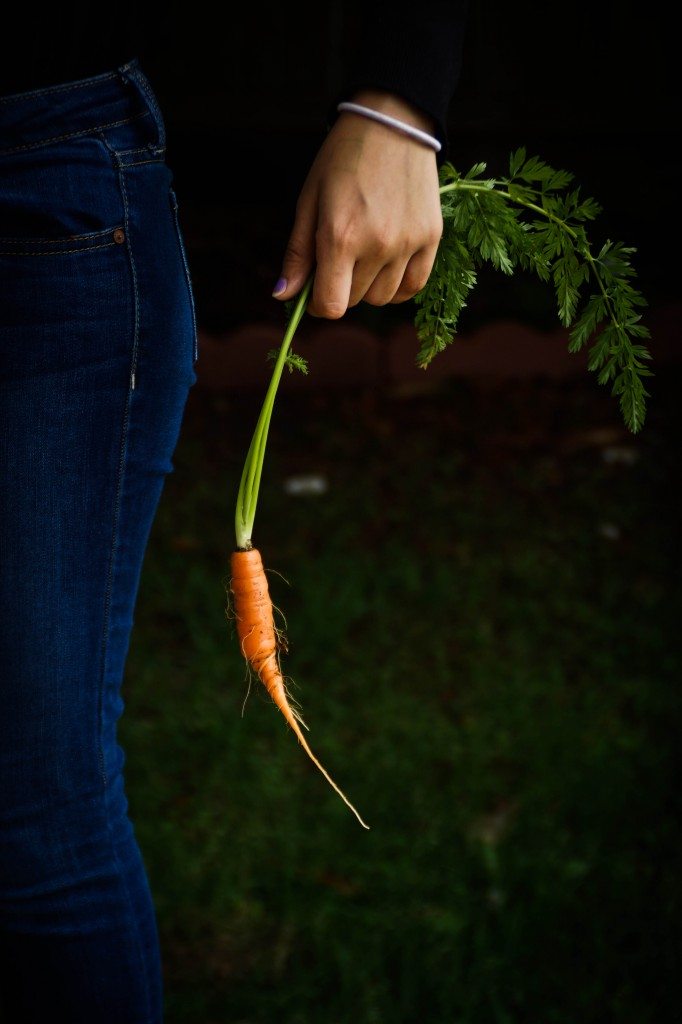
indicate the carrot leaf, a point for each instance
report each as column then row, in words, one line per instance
column 530, row 220
column 291, row 360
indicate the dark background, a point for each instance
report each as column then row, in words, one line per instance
column 480, row 594
column 589, row 87
column 482, row 600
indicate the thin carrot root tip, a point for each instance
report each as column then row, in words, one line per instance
column 259, row 641
column 293, row 703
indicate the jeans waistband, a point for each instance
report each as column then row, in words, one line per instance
column 32, row 119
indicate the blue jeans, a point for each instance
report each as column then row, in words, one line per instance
column 98, row 348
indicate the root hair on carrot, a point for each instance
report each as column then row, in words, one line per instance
column 260, row 644
column 294, row 704
column 280, row 612
column 230, row 613
column 244, row 638
column 282, row 641
column 293, row 682
column 279, row 574
column 248, row 689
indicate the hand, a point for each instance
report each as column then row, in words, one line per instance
column 368, row 218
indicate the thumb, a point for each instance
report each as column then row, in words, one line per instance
column 299, row 255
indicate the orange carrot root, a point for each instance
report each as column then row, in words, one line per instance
column 258, row 639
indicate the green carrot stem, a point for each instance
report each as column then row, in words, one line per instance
column 253, row 466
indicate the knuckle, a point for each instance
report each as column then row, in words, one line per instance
column 435, row 232
column 416, row 280
column 332, row 310
column 382, row 243
column 293, row 251
column 409, row 287
column 335, row 234
column 380, row 294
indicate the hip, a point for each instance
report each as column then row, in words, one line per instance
column 92, row 257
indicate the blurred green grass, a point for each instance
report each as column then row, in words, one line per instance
column 480, row 615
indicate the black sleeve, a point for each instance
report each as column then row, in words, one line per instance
column 413, row 50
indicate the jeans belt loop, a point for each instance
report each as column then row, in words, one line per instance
column 132, row 73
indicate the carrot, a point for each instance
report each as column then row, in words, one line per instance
column 259, row 641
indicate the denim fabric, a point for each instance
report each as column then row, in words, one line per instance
column 98, row 349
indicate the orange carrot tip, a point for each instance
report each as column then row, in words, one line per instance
column 260, row 642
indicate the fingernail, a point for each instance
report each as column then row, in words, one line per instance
column 280, row 287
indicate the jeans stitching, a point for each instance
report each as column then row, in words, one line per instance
column 71, row 135
column 72, row 238
column 131, row 259
column 84, row 84
column 118, row 501
column 59, row 252
column 135, row 75
column 188, row 279
column 142, row 149
column 140, row 163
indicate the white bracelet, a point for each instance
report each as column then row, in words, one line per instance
column 393, row 122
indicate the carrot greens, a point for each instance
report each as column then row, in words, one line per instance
column 529, row 219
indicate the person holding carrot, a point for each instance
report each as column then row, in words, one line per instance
column 98, row 351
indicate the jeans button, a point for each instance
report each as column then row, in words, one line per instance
column 119, row 236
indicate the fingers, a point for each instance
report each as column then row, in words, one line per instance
column 380, row 288
column 396, row 281
column 341, row 283
column 364, row 237
column 355, row 262
column 417, row 272
column 335, row 262
column 299, row 255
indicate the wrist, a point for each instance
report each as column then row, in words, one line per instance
column 391, row 103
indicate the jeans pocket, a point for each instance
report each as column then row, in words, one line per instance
column 188, row 279
column 69, row 244
column 59, row 198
